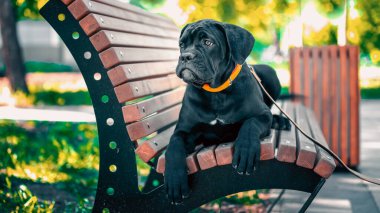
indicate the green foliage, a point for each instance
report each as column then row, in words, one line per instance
column 332, row 8
column 39, row 66
column 63, row 154
column 20, row 199
column 327, row 35
column 147, row 4
column 366, row 26
column 61, row 98
column 370, row 93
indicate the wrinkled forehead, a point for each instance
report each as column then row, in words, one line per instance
column 202, row 28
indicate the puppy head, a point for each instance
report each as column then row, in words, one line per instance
column 208, row 49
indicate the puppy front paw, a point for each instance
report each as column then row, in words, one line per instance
column 246, row 157
column 176, row 180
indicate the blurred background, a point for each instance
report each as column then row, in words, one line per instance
column 48, row 137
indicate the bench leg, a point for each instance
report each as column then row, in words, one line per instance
column 312, row 195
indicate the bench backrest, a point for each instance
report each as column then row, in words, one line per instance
column 140, row 51
column 328, row 77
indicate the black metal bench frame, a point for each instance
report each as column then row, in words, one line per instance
column 118, row 190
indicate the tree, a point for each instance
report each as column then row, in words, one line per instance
column 14, row 64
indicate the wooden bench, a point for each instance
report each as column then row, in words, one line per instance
column 127, row 57
column 328, row 78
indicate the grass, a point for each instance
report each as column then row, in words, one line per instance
column 61, row 158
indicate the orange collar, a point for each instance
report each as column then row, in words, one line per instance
column 226, row 84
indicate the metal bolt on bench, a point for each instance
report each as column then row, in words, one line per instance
column 127, row 57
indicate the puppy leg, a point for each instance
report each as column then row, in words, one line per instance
column 246, row 157
column 176, row 180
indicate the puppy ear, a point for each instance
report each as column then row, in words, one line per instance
column 240, row 42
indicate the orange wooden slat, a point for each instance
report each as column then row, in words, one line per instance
column 81, row 8
column 325, row 164
column 191, row 162
column 224, row 153
column 137, row 111
column 67, row 2
column 344, row 97
column 287, row 146
column 93, row 23
column 325, row 111
column 152, row 147
column 153, row 123
column 206, row 157
column 136, row 89
column 120, row 55
column 267, row 147
column 306, row 151
column 105, row 39
column 306, row 75
column 128, row 72
column 334, row 110
column 354, row 105
column 291, row 67
column 316, row 82
column 296, row 73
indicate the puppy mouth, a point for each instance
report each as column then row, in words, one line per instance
column 190, row 77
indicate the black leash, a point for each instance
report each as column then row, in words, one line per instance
column 357, row 174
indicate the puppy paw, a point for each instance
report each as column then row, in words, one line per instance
column 246, row 157
column 280, row 122
column 176, row 180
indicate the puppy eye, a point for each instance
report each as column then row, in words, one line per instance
column 181, row 45
column 208, row 43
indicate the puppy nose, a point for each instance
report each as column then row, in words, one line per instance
column 187, row 57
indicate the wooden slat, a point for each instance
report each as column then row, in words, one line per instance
column 267, row 147
column 206, row 157
column 224, row 153
column 295, row 75
column 120, row 55
column 93, row 23
column 344, row 96
column 152, row 147
column 325, row 164
column 137, row 111
column 67, row 2
column 325, row 92
column 153, row 123
column 306, row 75
column 81, row 8
column 334, row 110
column 133, row 9
column 129, row 72
column 287, row 147
column 191, row 162
column 105, row 39
column 306, row 152
column 354, row 105
column 317, row 83
column 136, row 89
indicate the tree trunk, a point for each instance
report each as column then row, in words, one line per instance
column 11, row 51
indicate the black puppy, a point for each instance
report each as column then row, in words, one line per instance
column 210, row 50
